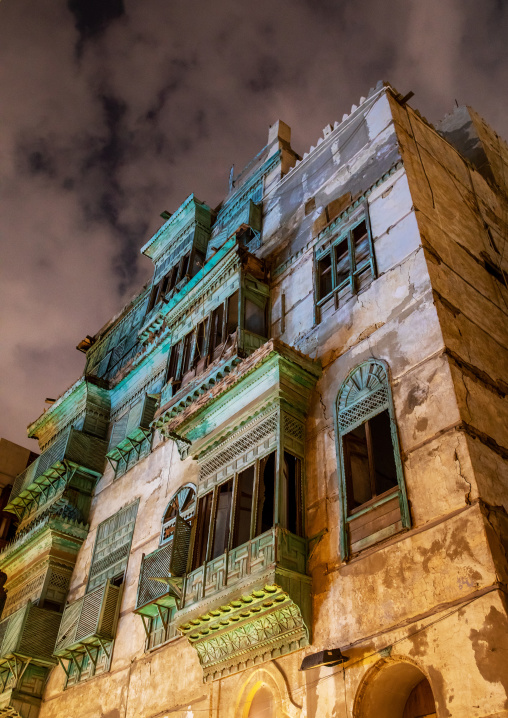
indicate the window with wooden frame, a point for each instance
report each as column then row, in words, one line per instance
column 182, row 504
column 186, row 267
column 343, row 263
column 207, row 342
column 112, row 547
column 245, row 506
column 373, row 496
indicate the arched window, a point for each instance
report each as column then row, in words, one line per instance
column 182, row 504
column 373, row 495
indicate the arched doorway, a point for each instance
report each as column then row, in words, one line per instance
column 395, row 689
column 263, row 704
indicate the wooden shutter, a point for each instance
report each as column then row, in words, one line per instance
column 181, row 543
column 112, row 546
column 119, row 431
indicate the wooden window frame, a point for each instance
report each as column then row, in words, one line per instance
column 188, row 514
column 279, row 516
column 354, row 271
column 365, row 371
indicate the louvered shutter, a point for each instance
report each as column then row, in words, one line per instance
column 112, row 546
column 103, row 365
column 181, row 543
column 135, row 415
column 119, row 431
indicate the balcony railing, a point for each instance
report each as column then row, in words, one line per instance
column 29, row 633
column 276, row 548
column 90, row 621
column 248, row 605
column 71, row 448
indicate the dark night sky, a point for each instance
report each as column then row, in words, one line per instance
column 114, row 110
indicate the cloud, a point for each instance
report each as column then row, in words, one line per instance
column 114, row 110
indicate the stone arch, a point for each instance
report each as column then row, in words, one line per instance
column 257, row 687
column 394, row 688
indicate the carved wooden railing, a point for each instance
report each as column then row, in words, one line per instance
column 274, row 548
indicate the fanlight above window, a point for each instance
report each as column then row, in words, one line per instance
column 182, row 504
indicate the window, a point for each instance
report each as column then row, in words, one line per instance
column 373, row 497
column 182, row 504
column 343, row 262
column 370, row 468
column 244, row 507
column 175, row 275
column 112, row 547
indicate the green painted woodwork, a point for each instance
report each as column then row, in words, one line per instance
column 190, row 213
column 86, row 404
column 363, row 394
column 89, row 621
column 132, row 428
column 153, row 593
column 204, row 283
column 21, row 688
column 256, row 627
column 250, row 604
column 73, row 451
column 29, row 633
column 52, row 521
column 273, row 373
column 112, row 546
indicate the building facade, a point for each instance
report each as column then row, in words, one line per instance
column 279, row 488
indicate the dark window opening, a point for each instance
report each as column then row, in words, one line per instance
column 293, row 493
column 255, row 317
column 325, row 276
column 243, row 507
column 202, row 529
column 222, row 519
column 52, row 606
column 187, row 352
column 153, row 297
column 346, row 264
column 173, row 363
column 198, row 262
column 164, row 287
column 172, row 278
column 266, row 494
column 245, row 236
column 232, row 313
column 217, row 328
column 369, row 460
column 199, row 352
column 184, row 267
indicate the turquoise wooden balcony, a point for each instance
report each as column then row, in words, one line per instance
column 28, row 635
column 252, row 603
column 132, row 429
column 26, row 645
column 90, row 622
column 152, row 592
column 73, row 451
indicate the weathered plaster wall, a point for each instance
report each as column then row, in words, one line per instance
column 437, row 317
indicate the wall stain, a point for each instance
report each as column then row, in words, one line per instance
column 439, row 691
column 489, row 654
